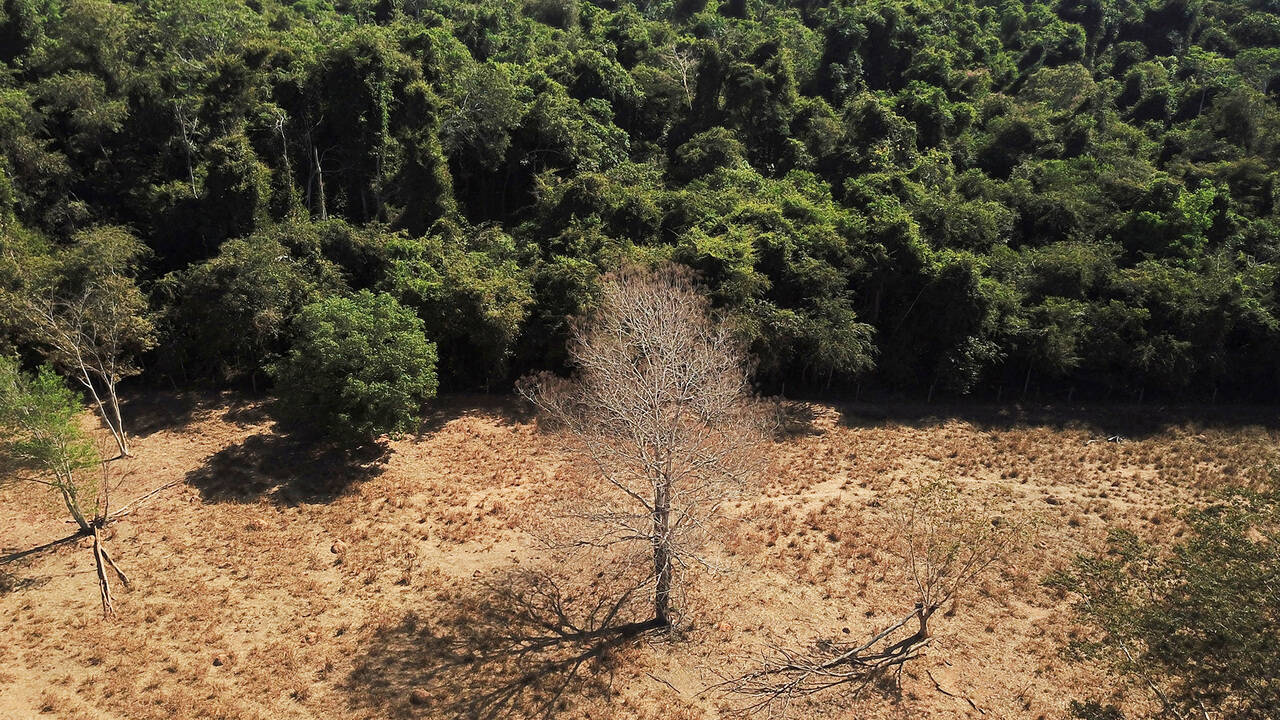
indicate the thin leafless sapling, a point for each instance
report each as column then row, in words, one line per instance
column 82, row 307
column 946, row 543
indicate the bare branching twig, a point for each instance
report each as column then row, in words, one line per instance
column 946, row 544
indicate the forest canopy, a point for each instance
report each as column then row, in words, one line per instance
column 927, row 196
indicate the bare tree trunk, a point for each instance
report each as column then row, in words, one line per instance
column 74, row 508
column 122, row 440
column 87, row 381
column 284, row 154
column 315, row 153
column 662, row 553
column 311, row 176
column 186, row 146
column 124, row 579
column 116, row 432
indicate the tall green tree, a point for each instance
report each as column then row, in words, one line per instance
column 1194, row 623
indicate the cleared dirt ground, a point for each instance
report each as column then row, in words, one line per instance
column 241, row 608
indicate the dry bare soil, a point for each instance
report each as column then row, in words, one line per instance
column 277, row 581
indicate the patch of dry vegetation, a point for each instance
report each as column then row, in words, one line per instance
column 322, row 587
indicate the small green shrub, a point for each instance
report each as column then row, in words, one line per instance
column 358, row 367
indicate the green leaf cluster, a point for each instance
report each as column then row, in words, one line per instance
column 41, row 440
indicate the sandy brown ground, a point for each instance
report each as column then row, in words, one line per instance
column 241, row 609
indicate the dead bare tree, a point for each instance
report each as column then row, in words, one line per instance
column 684, row 64
column 946, row 543
column 662, row 408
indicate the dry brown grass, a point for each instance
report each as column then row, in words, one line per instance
column 243, row 609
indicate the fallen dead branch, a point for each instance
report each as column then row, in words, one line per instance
column 787, row 674
column 136, row 502
column 938, row 686
column 104, row 584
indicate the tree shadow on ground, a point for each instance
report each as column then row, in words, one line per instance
column 506, row 409
column 517, row 645
column 150, row 412
column 792, row 418
column 11, row 582
column 245, row 411
column 1129, row 421
column 286, row 468
column 290, row 463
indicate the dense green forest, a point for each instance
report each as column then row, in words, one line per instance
column 933, row 197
